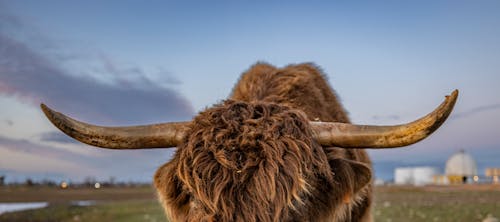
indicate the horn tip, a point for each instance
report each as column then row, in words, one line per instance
column 48, row 111
column 43, row 106
column 453, row 96
column 51, row 115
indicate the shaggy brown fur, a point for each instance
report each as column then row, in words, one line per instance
column 253, row 158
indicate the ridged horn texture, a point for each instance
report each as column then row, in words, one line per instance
column 365, row 136
column 161, row 135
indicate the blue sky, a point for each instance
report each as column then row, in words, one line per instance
column 131, row 62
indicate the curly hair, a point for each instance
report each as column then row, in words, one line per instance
column 253, row 157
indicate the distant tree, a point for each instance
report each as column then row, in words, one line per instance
column 112, row 180
column 29, row 182
column 89, row 181
column 49, row 183
column 2, row 180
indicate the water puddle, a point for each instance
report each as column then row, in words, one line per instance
column 83, row 203
column 10, row 207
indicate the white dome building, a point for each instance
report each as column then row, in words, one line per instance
column 460, row 168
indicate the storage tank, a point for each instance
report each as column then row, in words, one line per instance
column 403, row 175
column 417, row 176
column 460, row 167
column 424, row 175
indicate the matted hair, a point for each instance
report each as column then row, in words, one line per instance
column 250, row 162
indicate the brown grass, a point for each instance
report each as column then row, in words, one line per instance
column 392, row 203
column 55, row 195
column 436, row 203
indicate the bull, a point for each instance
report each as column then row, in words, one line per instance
column 281, row 148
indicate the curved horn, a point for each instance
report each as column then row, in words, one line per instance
column 363, row 136
column 131, row 137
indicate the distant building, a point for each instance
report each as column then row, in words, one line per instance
column 494, row 173
column 418, row 176
column 379, row 182
column 461, row 168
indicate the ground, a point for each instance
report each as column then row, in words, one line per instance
column 436, row 203
column 392, row 203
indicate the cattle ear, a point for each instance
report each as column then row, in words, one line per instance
column 352, row 175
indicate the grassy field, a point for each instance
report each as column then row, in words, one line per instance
column 456, row 203
column 113, row 204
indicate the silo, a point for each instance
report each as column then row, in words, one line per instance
column 460, row 167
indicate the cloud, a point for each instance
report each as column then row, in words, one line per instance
column 33, row 70
column 466, row 113
column 129, row 96
column 57, row 136
column 6, row 19
column 9, row 122
column 386, row 117
column 476, row 110
column 34, row 79
column 39, row 159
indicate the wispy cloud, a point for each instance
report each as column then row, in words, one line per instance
column 9, row 122
column 33, row 78
column 467, row 113
column 386, row 117
column 28, row 158
column 476, row 110
column 57, row 136
column 29, row 73
column 130, row 96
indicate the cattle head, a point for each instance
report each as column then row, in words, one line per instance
column 255, row 161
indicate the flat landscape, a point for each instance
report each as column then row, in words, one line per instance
column 392, row 203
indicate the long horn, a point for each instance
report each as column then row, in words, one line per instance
column 363, row 136
column 131, row 137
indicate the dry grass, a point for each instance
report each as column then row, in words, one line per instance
column 437, row 203
column 57, row 195
column 392, row 203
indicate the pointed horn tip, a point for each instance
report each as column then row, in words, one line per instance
column 45, row 108
column 453, row 94
column 53, row 116
column 47, row 111
column 452, row 98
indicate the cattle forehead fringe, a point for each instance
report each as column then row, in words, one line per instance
column 262, row 150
